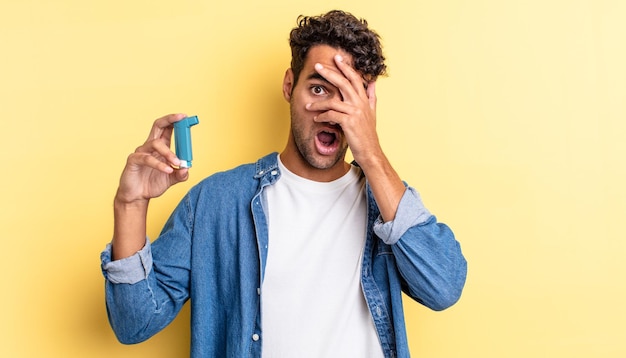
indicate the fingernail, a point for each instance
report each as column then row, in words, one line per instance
column 308, row 105
column 318, row 66
column 339, row 58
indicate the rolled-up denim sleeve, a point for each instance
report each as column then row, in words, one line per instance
column 411, row 212
column 128, row 270
column 427, row 255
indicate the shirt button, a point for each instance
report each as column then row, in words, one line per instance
column 274, row 172
column 255, row 337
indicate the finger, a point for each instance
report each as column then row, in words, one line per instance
column 146, row 160
column 163, row 125
column 356, row 80
column 330, row 105
column 371, row 94
column 331, row 117
column 159, row 148
column 337, row 79
column 180, row 175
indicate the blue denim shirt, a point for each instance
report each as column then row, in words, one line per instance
column 213, row 249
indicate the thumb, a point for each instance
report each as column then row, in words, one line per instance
column 179, row 175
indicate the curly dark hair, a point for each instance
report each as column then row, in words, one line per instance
column 340, row 30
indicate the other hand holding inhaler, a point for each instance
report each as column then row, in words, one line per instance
column 182, row 139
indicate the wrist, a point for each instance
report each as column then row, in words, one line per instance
column 124, row 202
column 129, row 228
column 123, row 207
column 372, row 161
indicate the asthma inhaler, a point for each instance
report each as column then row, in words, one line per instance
column 182, row 139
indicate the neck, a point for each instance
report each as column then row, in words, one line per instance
column 293, row 160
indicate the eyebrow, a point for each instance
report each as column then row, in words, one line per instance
column 317, row 76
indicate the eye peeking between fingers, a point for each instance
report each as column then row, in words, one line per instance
column 318, row 90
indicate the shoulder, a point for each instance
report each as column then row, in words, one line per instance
column 236, row 179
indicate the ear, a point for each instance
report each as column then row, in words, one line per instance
column 288, row 84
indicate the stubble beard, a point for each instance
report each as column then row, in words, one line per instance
column 305, row 143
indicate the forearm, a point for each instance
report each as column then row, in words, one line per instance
column 141, row 298
column 385, row 183
column 427, row 254
column 138, row 311
column 129, row 230
column 431, row 262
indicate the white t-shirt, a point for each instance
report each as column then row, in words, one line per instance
column 312, row 301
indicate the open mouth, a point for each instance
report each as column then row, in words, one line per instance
column 326, row 138
column 327, row 142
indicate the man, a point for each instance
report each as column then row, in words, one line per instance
column 300, row 254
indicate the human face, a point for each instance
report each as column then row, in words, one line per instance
column 314, row 150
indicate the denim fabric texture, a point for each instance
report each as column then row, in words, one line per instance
column 213, row 251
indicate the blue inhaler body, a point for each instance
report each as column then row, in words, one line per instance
column 182, row 139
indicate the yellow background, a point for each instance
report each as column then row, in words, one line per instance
column 508, row 116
